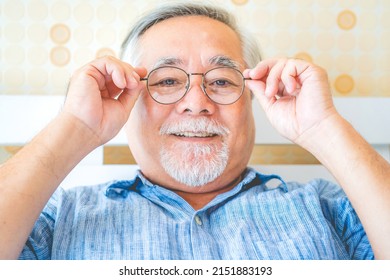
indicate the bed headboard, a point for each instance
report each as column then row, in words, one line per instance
column 21, row 117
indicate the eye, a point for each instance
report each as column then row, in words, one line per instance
column 167, row 82
column 220, row 83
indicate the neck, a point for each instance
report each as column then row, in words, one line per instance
column 200, row 198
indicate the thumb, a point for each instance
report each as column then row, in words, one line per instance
column 128, row 97
column 257, row 88
column 141, row 71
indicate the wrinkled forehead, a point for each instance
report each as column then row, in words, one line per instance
column 180, row 41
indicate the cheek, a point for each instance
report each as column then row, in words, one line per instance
column 241, row 124
column 143, row 130
column 149, row 115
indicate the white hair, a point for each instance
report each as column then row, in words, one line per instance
column 195, row 164
column 251, row 51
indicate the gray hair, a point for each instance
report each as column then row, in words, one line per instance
column 251, row 52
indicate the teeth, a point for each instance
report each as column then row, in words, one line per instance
column 194, row 134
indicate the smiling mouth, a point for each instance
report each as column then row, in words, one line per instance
column 195, row 129
column 189, row 134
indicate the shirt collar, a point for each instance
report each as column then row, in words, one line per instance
column 251, row 178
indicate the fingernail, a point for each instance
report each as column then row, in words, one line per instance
column 246, row 73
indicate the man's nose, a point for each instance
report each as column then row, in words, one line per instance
column 195, row 101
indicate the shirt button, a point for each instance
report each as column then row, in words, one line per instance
column 198, row 220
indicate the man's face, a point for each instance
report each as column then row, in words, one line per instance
column 195, row 144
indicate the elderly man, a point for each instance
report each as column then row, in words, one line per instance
column 183, row 91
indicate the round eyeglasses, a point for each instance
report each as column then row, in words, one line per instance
column 169, row 84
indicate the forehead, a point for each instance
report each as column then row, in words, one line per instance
column 190, row 39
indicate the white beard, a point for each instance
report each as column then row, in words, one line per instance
column 195, row 164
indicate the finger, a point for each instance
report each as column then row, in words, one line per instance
column 110, row 69
column 292, row 75
column 134, row 76
column 112, row 91
column 141, row 71
column 273, row 82
column 261, row 70
column 266, row 102
column 107, row 88
column 246, row 73
column 258, row 88
column 130, row 94
column 128, row 97
column 133, row 82
column 113, row 76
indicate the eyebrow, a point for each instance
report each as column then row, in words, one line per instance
column 168, row 61
column 224, row 61
column 218, row 60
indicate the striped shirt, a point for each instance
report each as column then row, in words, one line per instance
column 135, row 219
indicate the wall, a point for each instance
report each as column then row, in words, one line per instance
column 42, row 42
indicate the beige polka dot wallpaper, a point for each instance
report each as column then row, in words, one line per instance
column 43, row 41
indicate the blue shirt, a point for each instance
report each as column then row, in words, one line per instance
column 136, row 219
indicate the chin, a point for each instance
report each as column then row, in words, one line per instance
column 194, row 165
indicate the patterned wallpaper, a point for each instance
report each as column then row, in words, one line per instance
column 43, row 41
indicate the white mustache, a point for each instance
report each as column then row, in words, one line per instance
column 201, row 126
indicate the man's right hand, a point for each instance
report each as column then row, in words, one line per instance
column 101, row 95
column 100, row 98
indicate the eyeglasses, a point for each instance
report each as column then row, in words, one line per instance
column 169, row 84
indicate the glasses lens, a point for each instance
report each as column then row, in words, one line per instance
column 224, row 85
column 167, row 85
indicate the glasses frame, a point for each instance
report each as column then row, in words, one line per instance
column 189, row 83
